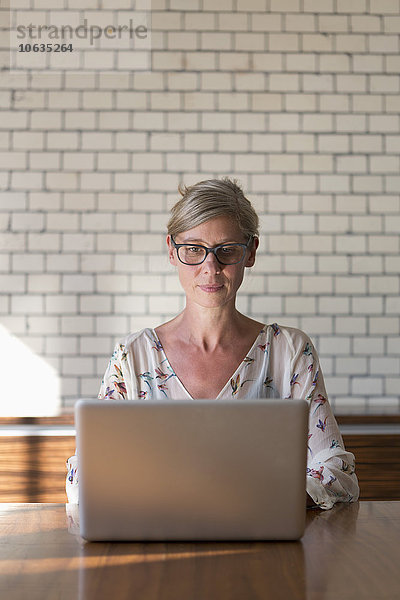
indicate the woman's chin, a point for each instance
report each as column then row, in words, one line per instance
column 211, row 299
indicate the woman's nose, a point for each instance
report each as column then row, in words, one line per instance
column 211, row 263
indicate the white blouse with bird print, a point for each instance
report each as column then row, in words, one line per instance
column 282, row 363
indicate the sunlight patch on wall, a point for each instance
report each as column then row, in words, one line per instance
column 29, row 386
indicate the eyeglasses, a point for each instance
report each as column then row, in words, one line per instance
column 226, row 254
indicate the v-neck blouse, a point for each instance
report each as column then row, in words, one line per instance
column 147, row 373
column 233, row 378
column 282, row 363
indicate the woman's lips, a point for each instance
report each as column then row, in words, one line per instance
column 210, row 289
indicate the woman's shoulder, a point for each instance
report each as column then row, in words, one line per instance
column 294, row 337
column 142, row 338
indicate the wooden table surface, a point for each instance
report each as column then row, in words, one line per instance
column 350, row 552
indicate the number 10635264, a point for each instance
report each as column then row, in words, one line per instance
column 45, row 48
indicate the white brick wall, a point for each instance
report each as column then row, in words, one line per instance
column 299, row 99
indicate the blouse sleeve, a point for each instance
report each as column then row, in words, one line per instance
column 113, row 387
column 114, row 382
column 331, row 474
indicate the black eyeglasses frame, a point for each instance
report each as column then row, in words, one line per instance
column 212, row 250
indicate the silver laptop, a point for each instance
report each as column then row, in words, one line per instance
column 192, row 469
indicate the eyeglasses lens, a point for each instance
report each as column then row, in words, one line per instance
column 227, row 255
column 191, row 255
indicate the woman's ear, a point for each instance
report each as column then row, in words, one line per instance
column 171, row 253
column 253, row 249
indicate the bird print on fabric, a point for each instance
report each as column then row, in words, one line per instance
column 236, row 385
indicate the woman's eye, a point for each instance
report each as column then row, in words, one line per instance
column 194, row 250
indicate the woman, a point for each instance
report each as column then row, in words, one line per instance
column 211, row 350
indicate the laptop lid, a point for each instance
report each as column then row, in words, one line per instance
column 192, row 470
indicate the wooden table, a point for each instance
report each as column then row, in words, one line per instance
column 350, row 552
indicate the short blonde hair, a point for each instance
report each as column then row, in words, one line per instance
column 212, row 198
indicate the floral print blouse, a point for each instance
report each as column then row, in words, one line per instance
column 282, row 363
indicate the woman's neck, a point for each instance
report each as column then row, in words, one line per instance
column 211, row 328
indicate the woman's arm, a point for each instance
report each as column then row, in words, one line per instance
column 114, row 384
column 72, row 480
column 113, row 387
column 331, row 474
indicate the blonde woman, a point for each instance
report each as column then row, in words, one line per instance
column 211, row 350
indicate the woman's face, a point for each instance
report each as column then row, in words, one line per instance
column 212, row 284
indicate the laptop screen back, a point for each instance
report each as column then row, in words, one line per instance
column 192, row 470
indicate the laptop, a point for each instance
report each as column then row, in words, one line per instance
column 192, row 469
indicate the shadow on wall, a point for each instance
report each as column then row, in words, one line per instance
column 29, row 386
